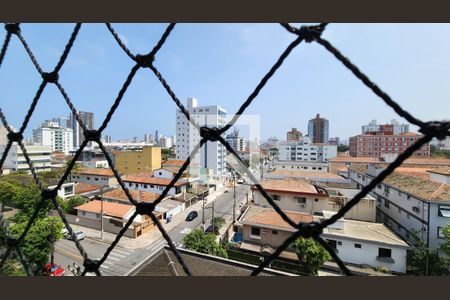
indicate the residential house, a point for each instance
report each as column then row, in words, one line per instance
column 104, row 177
column 154, row 184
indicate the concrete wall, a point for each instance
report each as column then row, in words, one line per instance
column 365, row 210
column 267, row 236
column 94, row 179
column 154, row 188
column 147, row 160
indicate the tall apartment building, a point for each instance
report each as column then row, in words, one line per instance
column 293, row 135
column 384, row 141
column 374, row 127
column 236, row 142
column 142, row 160
column 148, row 138
column 318, row 129
column 166, row 142
column 212, row 154
column 88, row 120
column 304, row 150
column 51, row 134
column 64, row 122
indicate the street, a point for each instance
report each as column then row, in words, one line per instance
column 121, row 261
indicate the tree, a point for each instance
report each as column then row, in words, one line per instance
column 425, row 262
column 7, row 192
column 202, row 242
column 218, row 223
column 310, row 254
column 72, row 202
column 342, row 148
column 38, row 243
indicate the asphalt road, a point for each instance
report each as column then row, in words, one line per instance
column 223, row 207
column 121, row 261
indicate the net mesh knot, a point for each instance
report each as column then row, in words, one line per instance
column 309, row 230
column 144, row 61
column 210, row 133
column 51, row 77
column 92, row 135
column 90, row 265
column 15, row 136
column 440, row 130
column 310, row 33
column 13, row 28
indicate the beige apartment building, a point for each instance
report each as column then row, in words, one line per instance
column 143, row 160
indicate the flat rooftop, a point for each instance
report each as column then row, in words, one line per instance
column 290, row 185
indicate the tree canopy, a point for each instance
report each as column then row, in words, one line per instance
column 202, row 242
column 310, row 254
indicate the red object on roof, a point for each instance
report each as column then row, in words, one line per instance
column 53, row 270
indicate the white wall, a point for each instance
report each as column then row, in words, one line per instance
column 368, row 253
column 154, row 188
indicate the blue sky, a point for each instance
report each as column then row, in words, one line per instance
column 222, row 64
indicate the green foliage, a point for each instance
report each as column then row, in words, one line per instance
column 73, row 202
column 445, row 247
column 39, row 241
column 166, row 153
column 311, row 255
column 7, row 192
column 434, row 152
column 425, row 262
column 202, row 242
column 342, row 148
column 12, row 267
column 218, row 223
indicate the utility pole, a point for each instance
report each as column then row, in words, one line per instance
column 52, row 254
column 203, row 214
column 212, row 217
column 101, row 221
column 234, row 197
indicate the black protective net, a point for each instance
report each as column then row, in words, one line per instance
column 313, row 230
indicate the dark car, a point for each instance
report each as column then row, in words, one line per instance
column 191, row 216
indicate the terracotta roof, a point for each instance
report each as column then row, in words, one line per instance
column 96, row 171
column 414, row 185
column 305, row 174
column 289, row 185
column 85, row 187
column 347, row 158
column 139, row 196
column 152, row 180
column 109, row 208
column 269, row 217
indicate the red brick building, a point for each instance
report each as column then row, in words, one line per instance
column 384, row 141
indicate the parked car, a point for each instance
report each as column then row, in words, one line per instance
column 79, row 234
column 192, row 215
column 240, row 181
column 53, row 270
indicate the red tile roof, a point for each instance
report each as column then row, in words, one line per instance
column 139, row 196
column 95, row 171
column 109, row 208
column 85, row 187
column 270, row 217
column 152, row 180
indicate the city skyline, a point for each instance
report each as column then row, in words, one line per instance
column 310, row 82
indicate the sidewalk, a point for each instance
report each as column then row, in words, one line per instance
column 150, row 237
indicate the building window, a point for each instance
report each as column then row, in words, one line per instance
column 332, row 243
column 88, row 178
column 358, row 246
column 301, row 200
column 83, row 213
column 316, row 200
column 386, row 203
column 255, row 233
column 275, row 197
column 384, row 253
column 96, row 179
column 440, row 233
column 444, row 211
column 274, row 232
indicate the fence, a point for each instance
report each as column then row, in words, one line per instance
column 306, row 34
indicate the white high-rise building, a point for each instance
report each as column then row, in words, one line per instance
column 64, row 122
column 166, row 142
column 236, row 142
column 51, row 134
column 212, row 154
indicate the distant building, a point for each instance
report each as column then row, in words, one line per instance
column 148, row 138
column 166, row 142
column 293, row 135
column 146, row 159
column 374, row 127
column 334, row 141
column 157, row 137
column 95, row 176
column 88, row 120
column 51, row 134
column 384, row 141
column 318, row 130
column 304, row 150
column 64, row 122
column 39, row 155
column 212, row 154
column 236, row 142
column 154, row 184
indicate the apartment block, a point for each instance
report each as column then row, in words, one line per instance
column 145, row 159
column 212, row 154
column 101, row 177
column 304, row 150
column 384, row 141
column 410, row 199
column 318, row 129
column 236, row 142
column 88, row 120
column 40, row 157
column 293, row 135
column 52, row 134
